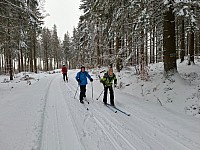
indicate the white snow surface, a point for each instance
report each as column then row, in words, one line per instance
column 39, row 112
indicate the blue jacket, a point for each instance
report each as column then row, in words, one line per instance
column 82, row 76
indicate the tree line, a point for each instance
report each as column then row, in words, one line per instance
column 136, row 33
column 25, row 45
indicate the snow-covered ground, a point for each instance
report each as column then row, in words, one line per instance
column 180, row 93
column 39, row 111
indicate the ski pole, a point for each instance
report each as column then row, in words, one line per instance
column 99, row 95
column 92, row 90
column 76, row 91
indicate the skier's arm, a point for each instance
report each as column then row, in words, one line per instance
column 77, row 77
column 89, row 77
column 103, row 80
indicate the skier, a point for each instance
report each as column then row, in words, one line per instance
column 81, row 78
column 107, row 82
column 64, row 72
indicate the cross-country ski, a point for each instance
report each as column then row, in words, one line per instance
column 111, row 108
column 119, row 110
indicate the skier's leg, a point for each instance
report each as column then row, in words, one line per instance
column 84, row 90
column 105, row 95
column 64, row 76
column 111, row 96
column 81, row 92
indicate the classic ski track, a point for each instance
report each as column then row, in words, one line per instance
column 112, row 126
column 71, row 116
column 107, row 131
column 58, row 126
column 153, row 126
column 119, row 133
column 136, row 136
column 55, row 123
column 43, row 114
column 114, row 143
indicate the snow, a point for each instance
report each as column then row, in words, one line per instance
column 38, row 111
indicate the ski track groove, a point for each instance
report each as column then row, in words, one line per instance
column 136, row 136
column 113, row 142
column 115, row 128
column 71, row 117
column 57, row 124
column 43, row 114
column 52, row 108
column 133, row 125
column 117, row 132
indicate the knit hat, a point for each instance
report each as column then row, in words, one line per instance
column 82, row 67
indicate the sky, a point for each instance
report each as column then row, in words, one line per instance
column 64, row 13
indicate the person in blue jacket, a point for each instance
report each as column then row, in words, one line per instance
column 81, row 78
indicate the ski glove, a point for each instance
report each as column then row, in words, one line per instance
column 104, row 85
column 91, row 80
column 115, row 85
column 79, row 81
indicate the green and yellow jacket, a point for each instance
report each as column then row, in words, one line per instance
column 108, row 80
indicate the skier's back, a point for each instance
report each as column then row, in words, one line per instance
column 64, row 72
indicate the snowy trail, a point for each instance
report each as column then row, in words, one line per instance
column 45, row 116
column 58, row 130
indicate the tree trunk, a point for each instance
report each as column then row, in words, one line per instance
column 153, row 44
column 169, row 44
column 191, row 48
column 97, row 46
column 34, row 51
column 9, row 53
column 182, row 53
column 19, row 63
column 142, row 58
column 118, row 45
column 150, row 47
column 31, row 55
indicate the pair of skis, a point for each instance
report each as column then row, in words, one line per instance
column 116, row 109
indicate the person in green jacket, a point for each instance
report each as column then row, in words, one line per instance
column 107, row 82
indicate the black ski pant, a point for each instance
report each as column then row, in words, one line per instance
column 111, row 95
column 65, row 77
column 82, row 92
